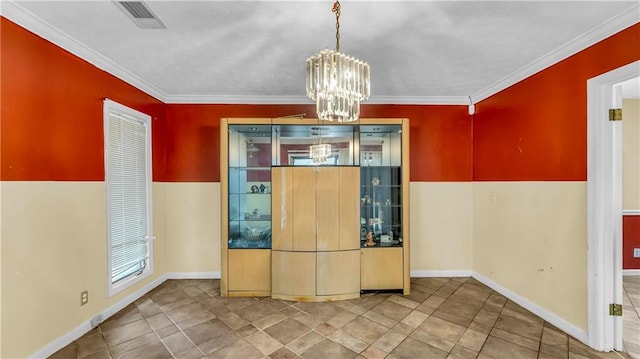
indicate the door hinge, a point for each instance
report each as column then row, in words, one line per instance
column 615, row 310
column 615, row 114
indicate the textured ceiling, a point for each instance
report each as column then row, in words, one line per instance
column 254, row 52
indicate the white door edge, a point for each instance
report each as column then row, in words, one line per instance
column 604, row 209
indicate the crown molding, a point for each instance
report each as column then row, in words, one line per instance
column 38, row 26
column 303, row 100
column 418, row 100
column 238, row 99
column 608, row 28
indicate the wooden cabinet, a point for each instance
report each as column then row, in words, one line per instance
column 296, row 229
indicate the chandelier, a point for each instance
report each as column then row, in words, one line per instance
column 319, row 153
column 337, row 82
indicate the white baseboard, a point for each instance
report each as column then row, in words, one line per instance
column 631, row 272
column 548, row 316
column 440, row 273
column 85, row 326
column 193, row 275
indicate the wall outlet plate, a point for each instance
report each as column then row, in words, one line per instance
column 636, row 253
column 84, row 297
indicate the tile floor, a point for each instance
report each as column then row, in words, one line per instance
column 442, row 318
column 631, row 316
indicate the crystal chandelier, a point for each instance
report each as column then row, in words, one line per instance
column 319, row 153
column 337, row 82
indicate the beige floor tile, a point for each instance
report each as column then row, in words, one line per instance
column 472, row 339
column 501, row 349
column 411, row 349
column 264, row 342
column 442, row 328
column 348, row 341
column 389, row 340
column 305, row 342
column 328, row 349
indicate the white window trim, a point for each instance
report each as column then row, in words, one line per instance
column 114, row 107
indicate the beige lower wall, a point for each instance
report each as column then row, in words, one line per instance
column 441, row 226
column 531, row 238
column 631, row 154
column 53, row 247
column 193, row 226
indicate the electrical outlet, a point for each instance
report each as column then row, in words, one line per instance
column 84, row 297
column 636, row 253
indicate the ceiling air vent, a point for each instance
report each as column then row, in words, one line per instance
column 140, row 14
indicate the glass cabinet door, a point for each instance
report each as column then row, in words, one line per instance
column 381, row 186
column 249, row 186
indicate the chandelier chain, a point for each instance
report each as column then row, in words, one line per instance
column 336, row 9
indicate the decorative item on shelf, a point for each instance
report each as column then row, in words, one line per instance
column 256, row 213
column 262, row 187
column 375, row 181
column 251, row 149
column 255, row 189
column 337, row 82
column 384, row 238
column 387, row 202
column 251, row 234
column 370, row 241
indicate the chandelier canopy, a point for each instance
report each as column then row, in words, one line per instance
column 337, row 82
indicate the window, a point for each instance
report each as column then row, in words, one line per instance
column 128, row 194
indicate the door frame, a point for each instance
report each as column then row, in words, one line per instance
column 604, row 208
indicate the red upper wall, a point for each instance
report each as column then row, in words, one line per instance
column 51, row 111
column 52, row 126
column 440, row 138
column 630, row 240
column 536, row 130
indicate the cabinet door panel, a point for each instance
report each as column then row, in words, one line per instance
column 294, row 273
column 338, row 272
column 382, row 268
column 282, row 208
column 303, row 216
column 349, row 192
column 328, row 199
column 249, row 269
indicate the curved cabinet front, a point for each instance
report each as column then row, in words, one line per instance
column 315, row 255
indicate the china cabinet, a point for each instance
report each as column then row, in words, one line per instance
column 299, row 228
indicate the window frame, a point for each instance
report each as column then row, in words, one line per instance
column 110, row 107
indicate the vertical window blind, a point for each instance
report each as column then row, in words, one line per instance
column 127, row 179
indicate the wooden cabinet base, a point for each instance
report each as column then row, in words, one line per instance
column 315, row 276
column 316, row 298
column 232, row 294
